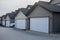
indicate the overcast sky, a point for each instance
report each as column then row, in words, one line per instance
column 7, row 6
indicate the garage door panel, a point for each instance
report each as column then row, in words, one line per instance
column 7, row 23
column 20, row 24
column 39, row 24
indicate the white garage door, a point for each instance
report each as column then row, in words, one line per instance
column 7, row 23
column 20, row 24
column 39, row 24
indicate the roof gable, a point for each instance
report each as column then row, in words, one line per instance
column 32, row 8
column 7, row 17
column 39, row 11
column 20, row 15
column 23, row 10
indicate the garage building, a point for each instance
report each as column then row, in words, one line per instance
column 44, row 17
column 21, row 18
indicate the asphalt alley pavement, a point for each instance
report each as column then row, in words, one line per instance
column 12, row 34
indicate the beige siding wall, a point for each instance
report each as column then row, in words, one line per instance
column 20, row 15
column 39, row 11
column 55, row 1
column 7, row 18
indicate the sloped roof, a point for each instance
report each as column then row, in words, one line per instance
column 4, row 16
column 50, row 7
column 32, row 8
column 24, row 10
column 11, row 15
column 29, row 6
column 45, row 5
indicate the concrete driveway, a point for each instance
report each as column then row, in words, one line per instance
column 12, row 34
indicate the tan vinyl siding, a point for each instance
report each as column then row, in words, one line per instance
column 39, row 11
column 7, row 18
column 20, row 15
